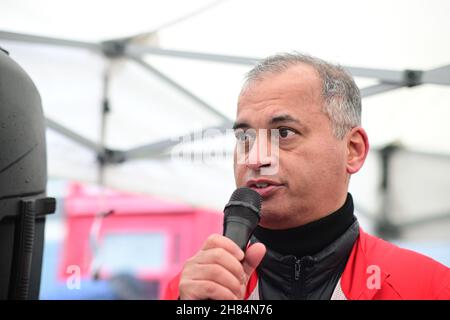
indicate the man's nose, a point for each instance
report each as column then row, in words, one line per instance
column 258, row 156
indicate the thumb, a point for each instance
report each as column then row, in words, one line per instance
column 253, row 256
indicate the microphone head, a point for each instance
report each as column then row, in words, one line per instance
column 242, row 216
column 248, row 198
column 248, row 195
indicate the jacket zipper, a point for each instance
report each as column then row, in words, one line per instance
column 298, row 268
column 298, row 276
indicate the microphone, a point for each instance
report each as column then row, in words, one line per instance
column 242, row 215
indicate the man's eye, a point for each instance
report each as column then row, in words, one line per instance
column 285, row 132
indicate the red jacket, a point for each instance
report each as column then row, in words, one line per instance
column 377, row 270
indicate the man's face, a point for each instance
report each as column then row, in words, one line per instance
column 308, row 179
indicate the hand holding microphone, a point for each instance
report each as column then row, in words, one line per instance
column 220, row 270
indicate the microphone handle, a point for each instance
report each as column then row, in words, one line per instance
column 239, row 230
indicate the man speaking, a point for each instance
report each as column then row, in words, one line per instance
column 308, row 244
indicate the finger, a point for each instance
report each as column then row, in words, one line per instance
column 223, row 258
column 219, row 275
column 253, row 257
column 219, row 241
column 204, row 289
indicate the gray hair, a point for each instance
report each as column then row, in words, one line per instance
column 341, row 96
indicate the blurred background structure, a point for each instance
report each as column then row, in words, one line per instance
column 123, row 82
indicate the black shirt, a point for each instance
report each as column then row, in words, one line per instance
column 306, row 262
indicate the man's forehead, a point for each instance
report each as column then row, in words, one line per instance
column 298, row 82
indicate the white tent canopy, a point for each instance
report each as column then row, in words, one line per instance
column 175, row 67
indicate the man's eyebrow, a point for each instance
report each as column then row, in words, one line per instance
column 275, row 120
column 240, row 125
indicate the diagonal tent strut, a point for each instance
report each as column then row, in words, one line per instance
column 74, row 136
column 104, row 154
column 179, row 88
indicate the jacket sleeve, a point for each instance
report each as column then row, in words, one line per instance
column 171, row 292
column 445, row 292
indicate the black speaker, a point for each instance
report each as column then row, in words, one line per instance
column 23, row 179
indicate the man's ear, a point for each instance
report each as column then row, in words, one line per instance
column 357, row 149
